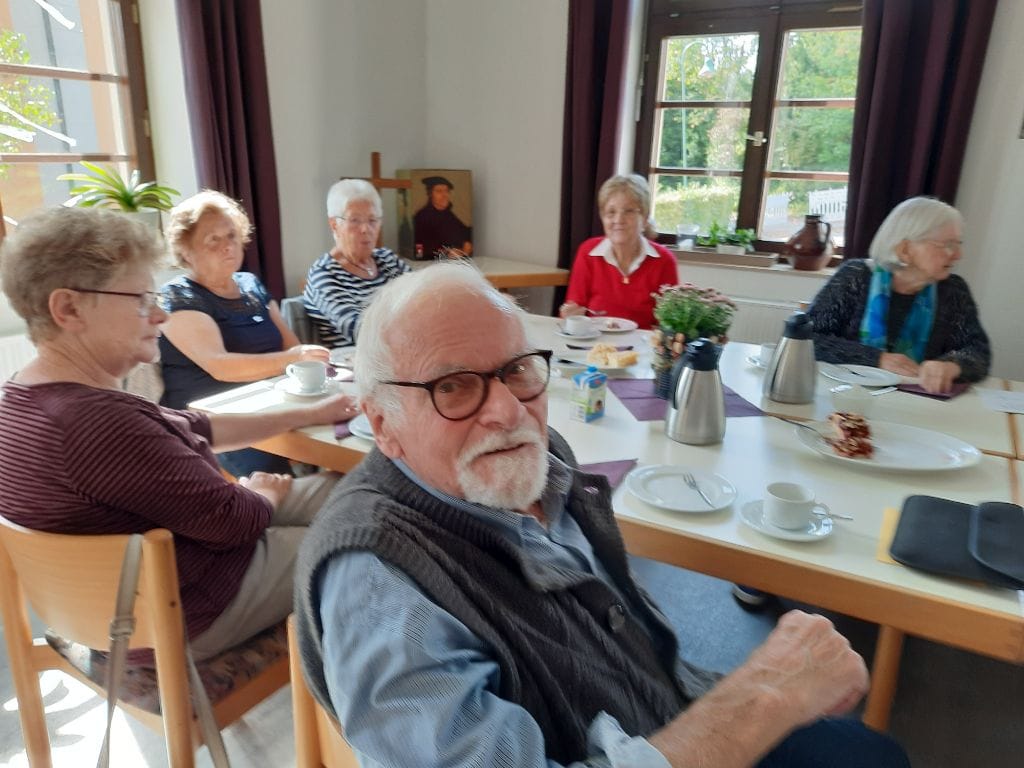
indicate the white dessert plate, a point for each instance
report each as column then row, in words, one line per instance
column 864, row 375
column 574, row 361
column 583, row 336
column 360, row 427
column 752, row 513
column 662, row 485
column 756, row 362
column 616, row 324
column 291, row 387
column 900, row 447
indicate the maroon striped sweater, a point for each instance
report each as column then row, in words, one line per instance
column 75, row 459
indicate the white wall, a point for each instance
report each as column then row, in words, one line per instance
column 495, row 85
column 991, row 192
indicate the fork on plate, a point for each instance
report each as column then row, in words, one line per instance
column 691, row 481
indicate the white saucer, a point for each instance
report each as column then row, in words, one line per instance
column 581, row 336
column 291, row 387
column 752, row 513
column 360, row 427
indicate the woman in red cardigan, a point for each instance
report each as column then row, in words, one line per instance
column 616, row 274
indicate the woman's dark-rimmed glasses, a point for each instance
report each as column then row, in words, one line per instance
column 459, row 395
column 147, row 299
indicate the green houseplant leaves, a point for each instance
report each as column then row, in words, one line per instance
column 105, row 188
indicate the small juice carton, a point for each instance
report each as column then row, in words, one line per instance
column 589, row 390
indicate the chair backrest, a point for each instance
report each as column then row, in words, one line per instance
column 295, row 316
column 71, row 583
column 319, row 742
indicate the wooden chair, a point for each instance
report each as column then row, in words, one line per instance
column 319, row 742
column 71, row 582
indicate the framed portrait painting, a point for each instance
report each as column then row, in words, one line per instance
column 435, row 215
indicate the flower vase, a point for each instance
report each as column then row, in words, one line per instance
column 669, row 346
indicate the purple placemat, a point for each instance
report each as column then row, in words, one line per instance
column 613, row 470
column 639, row 398
column 916, row 389
column 341, row 430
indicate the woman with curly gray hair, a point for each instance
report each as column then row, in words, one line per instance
column 224, row 327
column 905, row 310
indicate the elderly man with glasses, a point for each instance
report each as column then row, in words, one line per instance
column 465, row 596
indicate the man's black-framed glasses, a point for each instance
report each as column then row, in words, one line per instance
column 148, row 300
column 461, row 394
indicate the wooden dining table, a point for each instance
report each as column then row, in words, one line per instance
column 848, row 571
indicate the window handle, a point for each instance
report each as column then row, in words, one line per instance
column 758, row 139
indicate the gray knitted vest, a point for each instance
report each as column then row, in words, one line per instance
column 566, row 646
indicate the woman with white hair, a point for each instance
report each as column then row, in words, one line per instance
column 341, row 282
column 904, row 310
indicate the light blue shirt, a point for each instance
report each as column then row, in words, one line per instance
column 413, row 686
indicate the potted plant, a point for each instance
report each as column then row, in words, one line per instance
column 737, row 242
column 686, row 313
column 105, row 188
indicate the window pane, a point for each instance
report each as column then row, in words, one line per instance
column 820, row 64
column 702, row 138
column 76, row 34
column 708, row 67
column 24, row 188
column 812, row 139
column 786, row 201
column 76, row 116
column 694, row 200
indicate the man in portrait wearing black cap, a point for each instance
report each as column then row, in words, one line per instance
column 436, row 227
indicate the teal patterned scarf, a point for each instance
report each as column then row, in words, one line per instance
column 917, row 327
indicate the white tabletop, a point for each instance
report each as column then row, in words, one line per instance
column 756, row 451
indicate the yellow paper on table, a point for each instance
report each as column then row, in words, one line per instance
column 890, row 519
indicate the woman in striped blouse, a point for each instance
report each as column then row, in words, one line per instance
column 341, row 282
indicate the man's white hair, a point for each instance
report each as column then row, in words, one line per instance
column 389, row 328
column 913, row 219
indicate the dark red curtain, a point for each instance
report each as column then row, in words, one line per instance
column 229, row 113
column 920, row 64
column 593, row 84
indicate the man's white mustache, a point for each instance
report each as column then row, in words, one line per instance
column 500, row 441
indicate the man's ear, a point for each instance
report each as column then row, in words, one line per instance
column 65, row 309
column 382, row 423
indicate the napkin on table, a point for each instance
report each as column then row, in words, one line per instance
column 341, row 430
column 639, row 398
column 613, row 470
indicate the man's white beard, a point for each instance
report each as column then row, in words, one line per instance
column 515, row 481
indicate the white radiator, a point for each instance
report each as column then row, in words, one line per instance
column 15, row 351
column 758, row 321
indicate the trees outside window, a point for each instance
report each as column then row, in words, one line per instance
column 747, row 118
column 71, row 89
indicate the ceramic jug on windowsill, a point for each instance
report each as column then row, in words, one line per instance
column 811, row 247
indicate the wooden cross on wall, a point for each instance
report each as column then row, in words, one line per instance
column 380, row 183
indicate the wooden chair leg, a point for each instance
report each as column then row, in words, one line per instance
column 884, row 675
column 307, row 744
column 18, row 634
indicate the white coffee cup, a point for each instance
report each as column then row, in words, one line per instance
column 309, row 375
column 765, row 355
column 852, row 398
column 578, row 325
column 790, row 505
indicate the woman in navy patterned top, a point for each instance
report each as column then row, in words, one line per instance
column 341, row 282
column 224, row 327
